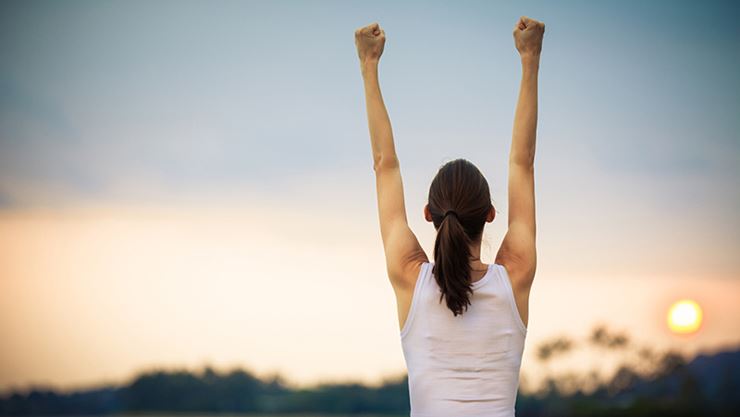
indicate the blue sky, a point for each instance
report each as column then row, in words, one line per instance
column 638, row 150
column 150, row 100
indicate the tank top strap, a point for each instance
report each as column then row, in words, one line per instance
column 509, row 291
column 419, row 286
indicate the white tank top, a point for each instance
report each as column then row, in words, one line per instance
column 466, row 365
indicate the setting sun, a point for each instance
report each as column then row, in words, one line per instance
column 684, row 316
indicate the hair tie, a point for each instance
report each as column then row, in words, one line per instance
column 453, row 212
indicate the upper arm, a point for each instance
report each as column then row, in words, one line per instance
column 518, row 249
column 402, row 250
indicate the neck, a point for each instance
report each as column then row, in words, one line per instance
column 475, row 261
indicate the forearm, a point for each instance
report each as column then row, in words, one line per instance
column 525, row 119
column 379, row 124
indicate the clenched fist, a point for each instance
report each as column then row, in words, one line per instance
column 528, row 36
column 370, row 41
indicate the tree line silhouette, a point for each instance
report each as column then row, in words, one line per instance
column 647, row 383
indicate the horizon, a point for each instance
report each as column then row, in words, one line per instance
column 526, row 387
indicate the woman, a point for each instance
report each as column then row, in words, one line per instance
column 463, row 323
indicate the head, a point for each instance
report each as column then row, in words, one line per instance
column 458, row 186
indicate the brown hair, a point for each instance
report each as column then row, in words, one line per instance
column 458, row 186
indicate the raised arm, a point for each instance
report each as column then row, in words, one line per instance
column 518, row 250
column 403, row 253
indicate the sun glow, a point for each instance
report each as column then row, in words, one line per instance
column 684, row 316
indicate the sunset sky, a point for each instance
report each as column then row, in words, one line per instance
column 191, row 182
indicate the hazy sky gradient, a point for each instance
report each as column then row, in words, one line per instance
column 182, row 181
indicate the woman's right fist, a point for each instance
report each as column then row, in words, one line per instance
column 370, row 41
column 528, row 36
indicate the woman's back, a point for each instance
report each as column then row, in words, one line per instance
column 465, row 365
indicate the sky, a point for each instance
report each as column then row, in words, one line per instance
column 191, row 182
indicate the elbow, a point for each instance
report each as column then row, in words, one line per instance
column 384, row 162
column 522, row 160
column 523, row 154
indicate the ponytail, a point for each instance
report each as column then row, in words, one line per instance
column 452, row 263
column 458, row 185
